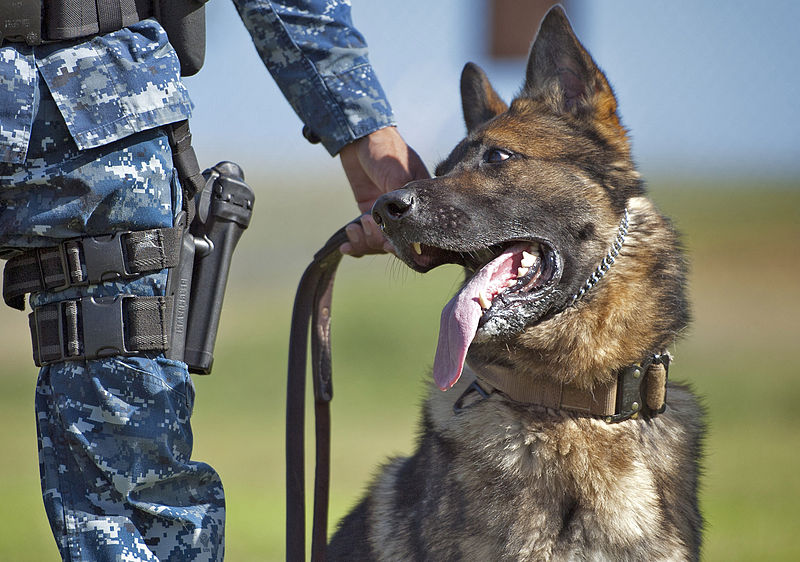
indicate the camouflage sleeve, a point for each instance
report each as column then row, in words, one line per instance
column 319, row 61
column 17, row 89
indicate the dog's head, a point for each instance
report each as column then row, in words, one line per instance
column 529, row 203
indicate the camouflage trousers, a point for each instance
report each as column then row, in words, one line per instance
column 115, row 439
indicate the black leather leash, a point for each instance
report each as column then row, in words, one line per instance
column 312, row 303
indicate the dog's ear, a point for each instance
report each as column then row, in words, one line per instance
column 562, row 73
column 479, row 100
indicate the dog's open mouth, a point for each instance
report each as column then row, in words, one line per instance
column 503, row 277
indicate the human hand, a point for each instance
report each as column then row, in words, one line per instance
column 365, row 238
column 374, row 165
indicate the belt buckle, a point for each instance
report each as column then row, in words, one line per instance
column 104, row 257
column 21, row 21
column 66, row 268
column 103, row 326
column 103, row 334
column 103, row 260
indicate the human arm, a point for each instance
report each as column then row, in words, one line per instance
column 374, row 165
column 319, row 60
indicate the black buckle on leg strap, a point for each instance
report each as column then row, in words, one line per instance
column 89, row 260
column 95, row 327
column 105, row 258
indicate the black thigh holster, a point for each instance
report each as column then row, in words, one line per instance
column 224, row 207
column 181, row 324
column 197, row 252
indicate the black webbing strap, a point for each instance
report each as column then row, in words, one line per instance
column 109, row 14
column 89, row 260
column 93, row 327
column 185, row 161
column 46, row 21
column 312, row 301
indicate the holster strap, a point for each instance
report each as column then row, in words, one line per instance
column 109, row 14
column 94, row 327
column 184, row 159
column 89, row 260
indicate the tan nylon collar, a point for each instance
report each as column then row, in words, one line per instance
column 637, row 388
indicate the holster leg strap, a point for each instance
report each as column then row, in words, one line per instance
column 94, row 327
column 89, row 260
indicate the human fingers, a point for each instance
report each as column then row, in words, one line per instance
column 365, row 238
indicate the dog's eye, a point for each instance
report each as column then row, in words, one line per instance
column 496, row 155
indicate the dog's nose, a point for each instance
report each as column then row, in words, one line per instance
column 393, row 206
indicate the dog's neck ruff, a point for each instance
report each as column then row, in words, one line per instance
column 608, row 260
column 636, row 389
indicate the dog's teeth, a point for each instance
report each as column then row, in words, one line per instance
column 511, row 282
column 417, row 248
column 522, row 271
column 527, row 259
column 483, row 301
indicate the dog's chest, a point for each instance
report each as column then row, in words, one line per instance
column 543, row 487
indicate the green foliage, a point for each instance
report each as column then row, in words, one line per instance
column 740, row 354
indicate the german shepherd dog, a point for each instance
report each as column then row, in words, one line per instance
column 569, row 444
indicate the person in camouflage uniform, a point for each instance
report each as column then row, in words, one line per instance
column 83, row 152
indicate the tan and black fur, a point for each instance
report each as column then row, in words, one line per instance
column 503, row 480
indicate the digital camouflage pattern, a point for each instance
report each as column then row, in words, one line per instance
column 320, row 64
column 17, row 98
column 114, row 434
column 61, row 192
column 106, row 88
column 129, row 81
column 114, row 449
column 82, row 152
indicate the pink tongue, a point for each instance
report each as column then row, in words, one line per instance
column 460, row 316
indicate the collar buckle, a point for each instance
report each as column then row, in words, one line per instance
column 642, row 389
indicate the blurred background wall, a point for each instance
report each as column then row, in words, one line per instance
column 712, row 86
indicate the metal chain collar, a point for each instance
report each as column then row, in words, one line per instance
column 607, row 262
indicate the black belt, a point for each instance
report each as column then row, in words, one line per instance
column 93, row 327
column 26, row 22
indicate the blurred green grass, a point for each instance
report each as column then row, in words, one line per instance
column 740, row 355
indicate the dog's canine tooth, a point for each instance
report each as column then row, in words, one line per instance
column 522, row 271
column 417, row 248
column 484, row 301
